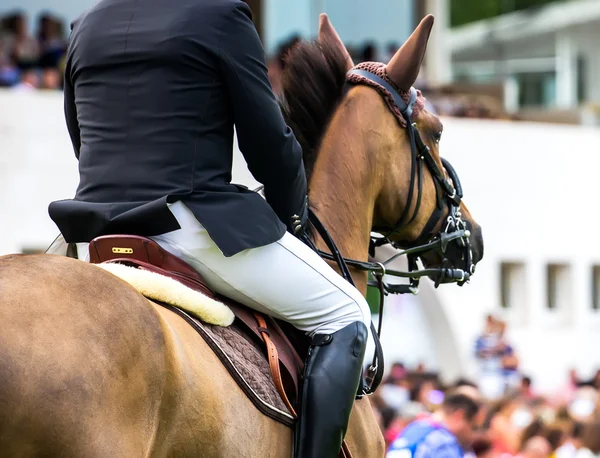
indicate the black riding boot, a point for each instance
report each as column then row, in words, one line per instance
column 331, row 377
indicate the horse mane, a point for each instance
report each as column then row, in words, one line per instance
column 313, row 81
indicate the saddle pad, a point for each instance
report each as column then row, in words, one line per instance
column 164, row 289
column 214, row 321
column 245, row 362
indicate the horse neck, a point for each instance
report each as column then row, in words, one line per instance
column 342, row 193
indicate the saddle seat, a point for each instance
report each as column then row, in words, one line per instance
column 285, row 363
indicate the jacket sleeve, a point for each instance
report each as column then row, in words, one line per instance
column 69, row 103
column 269, row 146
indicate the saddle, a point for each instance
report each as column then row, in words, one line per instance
column 261, row 332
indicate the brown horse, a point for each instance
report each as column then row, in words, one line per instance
column 90, row 368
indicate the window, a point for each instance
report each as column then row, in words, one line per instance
column 557, row 287
column 596, row 288
column 581, row 79
column 512, row 285
column 537, row 90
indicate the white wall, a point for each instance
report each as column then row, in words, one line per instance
column 37, row 165
column 532, row 187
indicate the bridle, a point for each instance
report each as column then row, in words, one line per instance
column 448, row 198
column 449, row 194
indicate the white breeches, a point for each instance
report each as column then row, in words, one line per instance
column 285, row 279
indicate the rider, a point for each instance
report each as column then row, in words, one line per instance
column 444, row 434
column 152, row 93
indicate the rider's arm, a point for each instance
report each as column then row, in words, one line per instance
column 69, row 105
column 269, row 146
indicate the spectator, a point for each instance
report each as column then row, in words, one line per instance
column 535, row 428
column 536, row 447
column 572, row 443
column 26, row 62
column 566, row 394
column 23, row 48
column 9, row 75
column 448, row 432
column 51, row 41
column 482, row 447
column 525, row 390
column 590, row 441
column 508, row 420
column 491, row 380
column 594, row 382
column 510, row 362
column 51, row 79
column 395, row 392
column 368, row 53
column 29, row 80
column 497, row 360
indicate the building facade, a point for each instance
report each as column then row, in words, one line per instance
column 545, row 57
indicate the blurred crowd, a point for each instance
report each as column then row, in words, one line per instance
column 31, row 61
column 35, row 60
column 514, row 420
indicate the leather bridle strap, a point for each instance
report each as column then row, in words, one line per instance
column 273, row 357
column 406, row 109
column 419, row 153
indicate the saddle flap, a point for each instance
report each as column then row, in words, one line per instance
column 144, row 253
column 290, row 362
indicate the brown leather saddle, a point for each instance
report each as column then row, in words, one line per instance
column 284, row 357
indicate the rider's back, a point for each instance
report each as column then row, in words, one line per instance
column 156, row 89
column 144, row 103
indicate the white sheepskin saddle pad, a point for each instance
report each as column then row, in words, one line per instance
column 161, row 288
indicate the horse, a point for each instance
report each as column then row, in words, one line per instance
column 90, row 367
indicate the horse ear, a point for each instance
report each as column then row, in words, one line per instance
column 404, row 66
column 329, row 36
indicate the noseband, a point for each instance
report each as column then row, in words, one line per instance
column 448, row 197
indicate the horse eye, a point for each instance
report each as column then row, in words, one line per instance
column 438, row 137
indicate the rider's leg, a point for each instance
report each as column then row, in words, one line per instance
column 285, row 279
column 288, row 280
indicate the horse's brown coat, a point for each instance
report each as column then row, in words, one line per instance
column 119, row 377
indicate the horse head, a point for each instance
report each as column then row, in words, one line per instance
column 374, row 162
